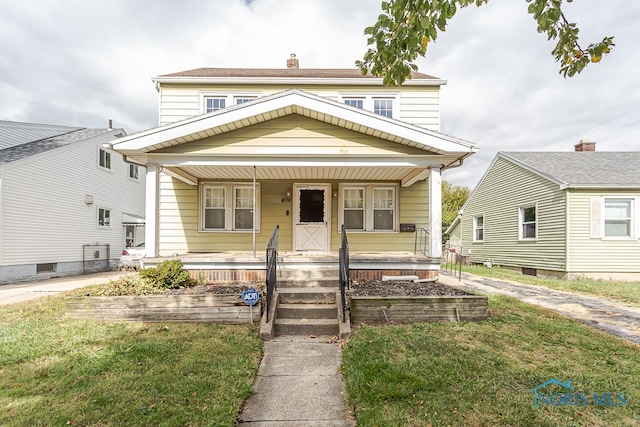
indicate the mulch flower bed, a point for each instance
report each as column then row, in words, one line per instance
column 403, row 288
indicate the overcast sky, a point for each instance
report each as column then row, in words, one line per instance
column 82, row 62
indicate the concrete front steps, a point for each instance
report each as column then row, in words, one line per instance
column 306, row 303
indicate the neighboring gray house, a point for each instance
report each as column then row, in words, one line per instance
column 67, row 203
column 565, row 214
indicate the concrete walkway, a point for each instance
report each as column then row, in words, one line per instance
column 298, row 384
column 25, row 291
column 616, row 318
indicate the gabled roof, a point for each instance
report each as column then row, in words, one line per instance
column 22, row 140
column 585, row 169
column 292, row 101
column 289, row 76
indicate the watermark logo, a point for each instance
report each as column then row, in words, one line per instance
column 565, row 395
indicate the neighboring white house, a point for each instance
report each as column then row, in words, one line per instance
column 68, row 204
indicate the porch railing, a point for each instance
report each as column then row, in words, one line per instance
column 421, row 242
column 344, row 280
column 453, row 261
column 272, row 264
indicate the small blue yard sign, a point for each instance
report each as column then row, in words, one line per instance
column 250, row 296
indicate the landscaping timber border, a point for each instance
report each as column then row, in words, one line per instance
column 222, row 309
column 374, row 309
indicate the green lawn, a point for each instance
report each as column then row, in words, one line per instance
column 628, row 292
column 56, row 371
column 482, row 374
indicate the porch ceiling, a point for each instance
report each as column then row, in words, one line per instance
column 301, row 173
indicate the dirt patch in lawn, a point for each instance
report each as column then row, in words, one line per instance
column 403, row 288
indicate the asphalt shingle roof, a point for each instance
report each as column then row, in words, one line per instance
column 21, row 140
column 325, row 73
column 585, row 168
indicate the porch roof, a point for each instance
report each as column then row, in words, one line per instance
column 426, row 148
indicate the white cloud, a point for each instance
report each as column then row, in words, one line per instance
column 75, row 62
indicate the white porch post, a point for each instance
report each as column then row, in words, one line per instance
column 151, row 211
column 435, row 212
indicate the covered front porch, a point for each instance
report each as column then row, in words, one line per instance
column 226, row 267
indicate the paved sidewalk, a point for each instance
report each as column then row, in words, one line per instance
column 25, row 291
column 298, row 384
column 620, row 319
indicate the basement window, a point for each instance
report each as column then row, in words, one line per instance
column 49, row 267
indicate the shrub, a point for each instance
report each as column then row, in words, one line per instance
column 168, row 274
column 130, row 285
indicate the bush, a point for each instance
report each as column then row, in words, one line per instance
column 130, row 285
column 168, row 275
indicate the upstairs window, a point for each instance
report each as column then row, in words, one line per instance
column 528, row 223
column 382, row 104
column 355, row 102
column 104, row 159
column 478, row 228
column 214, row 104
column 214, row 101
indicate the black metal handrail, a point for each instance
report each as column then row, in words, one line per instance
column 344, row 280
column 421, row 242
column 452, row 261
column 272, row 264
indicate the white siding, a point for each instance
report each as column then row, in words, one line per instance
column 418, row 106
column 44, row 216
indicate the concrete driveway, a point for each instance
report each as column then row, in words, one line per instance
column 11, row 294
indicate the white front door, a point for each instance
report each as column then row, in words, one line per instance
column 311, row 218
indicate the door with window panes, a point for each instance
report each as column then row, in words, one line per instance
column 311, row 222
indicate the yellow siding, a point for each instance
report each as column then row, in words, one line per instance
column 293, row 135
column 179, row 221
column 505, row 188
column 597, row 255
column 417, row 105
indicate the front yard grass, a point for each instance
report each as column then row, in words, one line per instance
column 483, row 374
column 56, row 371
column 628, row 292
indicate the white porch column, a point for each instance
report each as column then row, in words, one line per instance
column 435, row 212
column 151, row 211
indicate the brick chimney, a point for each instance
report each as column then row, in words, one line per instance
column 293, row 62
column 585, row 145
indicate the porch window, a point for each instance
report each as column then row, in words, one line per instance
column 528, row 219
column 383, row 203
column 214, row 208
column 617, row 217
column 104, row 217
column 478, row 228
column 353, row 208
column 228, row 207
column 369, row 207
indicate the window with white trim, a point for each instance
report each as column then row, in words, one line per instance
column 104, row 217
column 133, row 171
column 104, row 159
column 368, row 207
column 618, row 217
column 478, row 228
column 613, row 217
column 527, row 222
column 214, row 101
column 383, row 104
column 228, row 207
